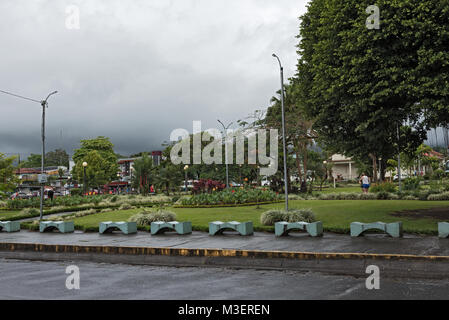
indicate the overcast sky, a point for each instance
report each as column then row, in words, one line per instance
column 136, row 70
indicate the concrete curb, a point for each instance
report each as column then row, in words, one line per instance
column 393, row 265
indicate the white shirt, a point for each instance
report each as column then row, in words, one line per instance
column 365, row 180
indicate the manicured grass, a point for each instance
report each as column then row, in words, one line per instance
column 339, row 190
column 7, row 215
column 335, row 215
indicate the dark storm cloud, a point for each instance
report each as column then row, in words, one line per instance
column 136, row 70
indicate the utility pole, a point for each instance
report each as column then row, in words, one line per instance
column 225, row 129
column 44, row 105
column 283, row 132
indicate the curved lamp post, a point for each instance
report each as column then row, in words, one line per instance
column 225, row 129
column 283, row 132
column 44, row 105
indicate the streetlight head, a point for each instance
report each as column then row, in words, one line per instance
column 84, row 164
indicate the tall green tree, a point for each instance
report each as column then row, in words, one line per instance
column 143, row 173
column 99, row 155
column 8, row 180
column 58, row 157
column 360, row 85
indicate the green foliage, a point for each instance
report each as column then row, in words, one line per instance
column 8, row 179
column 101, row 162
column 145, row 218
column 30, row 211
column 438, row 174
column 269, row 218
column 412, row 183
column 439, row 197
column 347, row 196
column 384, row 187
column 58, row 157
column 76, row 192
column 359, row 84
column 383, row 195
column 231, row 196
column 143, row 174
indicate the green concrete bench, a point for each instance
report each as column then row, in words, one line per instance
column 125, row 227
column 61, row 226
column 314, row 229
column 393, row 229
column 218, row 227
column 443, row 229
column 179, row 227
column 10, row 226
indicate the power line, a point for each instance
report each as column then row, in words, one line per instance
column 19, row 96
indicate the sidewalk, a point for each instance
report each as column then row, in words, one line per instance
column 408, row 257
column 335, row 243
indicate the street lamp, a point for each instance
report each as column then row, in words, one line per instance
column 84, row 177
column 283, row 132
column 185, row 177
column 44, row 105
column 226, row 151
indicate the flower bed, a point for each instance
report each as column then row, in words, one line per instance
column 231, row 197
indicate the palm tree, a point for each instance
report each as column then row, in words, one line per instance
column 168, row 177
column 143, row 174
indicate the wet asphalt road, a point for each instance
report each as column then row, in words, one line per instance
column 46, row 280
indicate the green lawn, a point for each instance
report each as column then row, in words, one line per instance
column 339, row 190
column 335, row 215
column 6, row 215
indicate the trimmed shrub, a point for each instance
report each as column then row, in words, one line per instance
column 269, row 218
column 145, row 218
column 295, row 197
column 126, row 206
column 438, row 197
column 76, row 192
column 30, row 211
column 368, row 196
column 411, row 183
column 409, row 198
column 383, row 187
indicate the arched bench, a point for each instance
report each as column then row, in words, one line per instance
column 314, row 229
column 179, row 227
column 218, row 227
column 124, row 227
column 393, row 229
column 61, row 226
column 10, row 226
column 443, row 229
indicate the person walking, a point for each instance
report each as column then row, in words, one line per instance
column 365, row 182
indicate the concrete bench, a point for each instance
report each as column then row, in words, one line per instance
column 443, row 229
column 218, row 227
column 125, row 227
column 314, row 229
column 179, row 227
column 61, row 226
column 10, row 226
column 393, row 229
